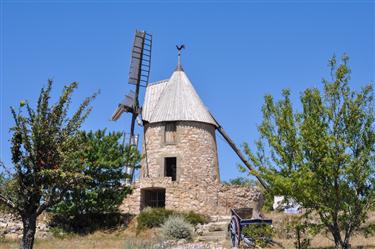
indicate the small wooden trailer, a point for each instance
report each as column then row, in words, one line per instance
column 241, row 217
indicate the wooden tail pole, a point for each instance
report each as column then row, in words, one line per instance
column 238, row 152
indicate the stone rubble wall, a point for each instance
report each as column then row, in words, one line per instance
column 216, row 199
column 11, row 227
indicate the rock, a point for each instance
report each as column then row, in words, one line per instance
column 11, row 236
column 214, row 228
column 181, row 242
column 11, row 227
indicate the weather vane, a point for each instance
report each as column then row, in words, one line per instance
column 179, row 48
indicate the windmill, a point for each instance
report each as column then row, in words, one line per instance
column 139, row 74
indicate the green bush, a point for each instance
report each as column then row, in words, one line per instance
column 241, row 181
column 194, row 218
column 152, row 217
column 260, row 233
column 176, row 227
column 155, row 217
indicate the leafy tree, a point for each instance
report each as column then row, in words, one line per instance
column 103, row 160
column 241, row 181
column 323, row 155
column 3, row 188
column 44, row 143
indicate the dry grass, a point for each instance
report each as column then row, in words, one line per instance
column 121, row 239
column 323, row 240
column 97, row 240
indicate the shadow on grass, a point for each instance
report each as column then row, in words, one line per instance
column 89, row 223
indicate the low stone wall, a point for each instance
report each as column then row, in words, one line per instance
column 11, row 227
column 233, row 196
column 212, row 199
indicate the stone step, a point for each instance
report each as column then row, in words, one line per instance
column 215, row 218
column 214, row 228
column 216, row 233
column 211, row 238
column 218, row 223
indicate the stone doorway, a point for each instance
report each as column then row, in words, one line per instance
column 153, row 197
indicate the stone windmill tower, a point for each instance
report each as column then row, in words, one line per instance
column 179, row 168
column 180, row 165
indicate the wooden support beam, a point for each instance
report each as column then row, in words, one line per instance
column 238, row 152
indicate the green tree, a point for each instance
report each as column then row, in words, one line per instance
column 241, row 181
column 323, row 155
column 103, row 159
column 44, row 143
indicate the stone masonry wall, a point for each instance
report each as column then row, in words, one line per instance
column 197, row 186
column 195, row 151
column 212, row 200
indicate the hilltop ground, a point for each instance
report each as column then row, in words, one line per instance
column 124, row 239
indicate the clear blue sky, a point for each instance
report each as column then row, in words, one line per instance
column 236, row 53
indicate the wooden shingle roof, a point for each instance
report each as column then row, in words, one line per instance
column 174, row 100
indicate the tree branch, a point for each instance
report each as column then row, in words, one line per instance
column 53, row 200
column 7, row 202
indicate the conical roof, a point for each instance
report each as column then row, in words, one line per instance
column 174, row 100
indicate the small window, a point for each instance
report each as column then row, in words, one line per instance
column 171, row 167
column 170, row 133
column 154, row 198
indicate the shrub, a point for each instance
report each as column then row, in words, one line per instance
column 176, row 227
column 152, row 217
column 241, row 181
column 155, row 217
column 261, row 234
column 195, row 219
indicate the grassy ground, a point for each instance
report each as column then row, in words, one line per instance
column 97, row 240
column 100, row 240
column 124, row 239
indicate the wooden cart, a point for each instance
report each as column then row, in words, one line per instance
column 243, row 217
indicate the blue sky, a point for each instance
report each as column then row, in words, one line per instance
column 237, row 51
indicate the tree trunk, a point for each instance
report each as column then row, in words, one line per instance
column 340, row 244
column 29, row 229
column 336, row 236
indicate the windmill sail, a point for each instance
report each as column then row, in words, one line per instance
column 139, row 74
column 140, row 59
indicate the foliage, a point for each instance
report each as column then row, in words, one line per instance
column 261, row 234
column 194, row 218
column 241, row 181
column 44, row 145
column 368, row 230
column 176, row 227
column 155, row 217
column 3, row 188
column 152, row 217
column 299, row 227
column 103, row 159
column 322, row 156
